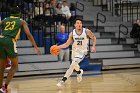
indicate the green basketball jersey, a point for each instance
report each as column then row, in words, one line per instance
column 11, row 27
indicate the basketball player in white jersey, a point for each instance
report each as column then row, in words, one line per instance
column 79, row 39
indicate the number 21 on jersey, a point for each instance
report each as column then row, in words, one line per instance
column 79, row 42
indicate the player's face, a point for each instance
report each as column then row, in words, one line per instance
column 78, row 25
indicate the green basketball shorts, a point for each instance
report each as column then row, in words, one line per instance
column 7, row 48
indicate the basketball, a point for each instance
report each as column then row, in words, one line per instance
column 54, row 50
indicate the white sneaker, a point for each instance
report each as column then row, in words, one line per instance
column 2, row 91
column 79, row 76
column 60, row 83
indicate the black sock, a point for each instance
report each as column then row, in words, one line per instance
column 64, row 79
column 78, row 72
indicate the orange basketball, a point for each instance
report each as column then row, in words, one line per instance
column 54, row 50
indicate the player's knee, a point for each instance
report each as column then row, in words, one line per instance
column 77, row 67
column 2, row 69
column 74, row 65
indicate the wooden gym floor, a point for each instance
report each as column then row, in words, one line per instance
column 115, row 81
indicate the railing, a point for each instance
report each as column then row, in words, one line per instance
column 102, row 3
column 43, row 32
column 99, row 20
column 81, row 8
column 120, row 31
column 4, row 9
column 127, row 9
column 137, row 8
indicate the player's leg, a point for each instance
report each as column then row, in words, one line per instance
column 74, row 66
column 11, row 52
column 2, row 68
column 67, row 74
column 78, row 58
column 14, row 67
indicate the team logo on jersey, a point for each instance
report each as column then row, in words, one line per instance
column 79, row 38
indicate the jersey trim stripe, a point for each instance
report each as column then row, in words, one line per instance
column 81, row 32
column 15, row 46
column 17, row 34
column 13, row 17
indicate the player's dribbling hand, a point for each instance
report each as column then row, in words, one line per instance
column 37, row 50
column 93, row 49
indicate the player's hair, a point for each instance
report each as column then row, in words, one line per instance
column 15, row 11
column 64, row 1
column 78, row 19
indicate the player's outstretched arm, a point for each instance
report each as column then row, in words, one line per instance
column 68, row 42
column 30, row 37
column 93, row 38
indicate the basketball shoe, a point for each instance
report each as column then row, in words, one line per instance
column 3, row 89
column 79, row 76
column 60, row 83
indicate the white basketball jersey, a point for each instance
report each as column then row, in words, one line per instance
column 80, row 43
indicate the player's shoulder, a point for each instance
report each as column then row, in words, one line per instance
column 72, row 31
column 87, row 29
column 23, row 21
column 6, row 18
